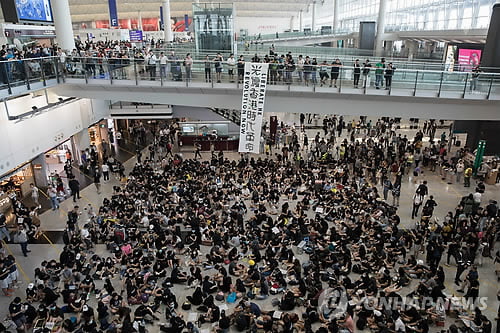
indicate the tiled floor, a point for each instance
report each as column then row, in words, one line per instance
column 446, row 195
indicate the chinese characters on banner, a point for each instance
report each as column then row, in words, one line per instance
column 252, row 106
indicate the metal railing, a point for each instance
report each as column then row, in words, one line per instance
column 316, row 78
column 29, row 71
column 411, row 79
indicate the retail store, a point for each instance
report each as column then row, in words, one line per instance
column 15, row 185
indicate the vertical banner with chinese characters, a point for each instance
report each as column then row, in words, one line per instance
column 252, row 106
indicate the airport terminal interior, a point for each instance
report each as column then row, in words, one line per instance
column 295, row 166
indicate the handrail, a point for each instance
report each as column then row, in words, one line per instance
column 224, row 63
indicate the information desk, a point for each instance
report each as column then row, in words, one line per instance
column 221, row 143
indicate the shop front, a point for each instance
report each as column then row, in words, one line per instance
column 15, row 185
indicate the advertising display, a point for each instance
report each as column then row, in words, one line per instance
column 468, row 58
column 113, row 13
column 135, row 36
column 34, row 10
column 252, row 106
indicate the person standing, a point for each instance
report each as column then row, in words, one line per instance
column 4, row 232
column 241, row 69
column 151, row 63
column 389, row 72
column 379, row 73
column 231, row 64
column 97, row 180
column 197, row 152
column 208, row 69
column 34, row 194
column 22, row 237
column 218, row 66
column 366, row 73
column 74, row 186
column 188, row 65
column 163, row 65
column 52, row 193
column 387, row 187
column 105, row 172
column 417, row 202
column 467, row 175
column 396, row 193
column 459, row 170
column 357, row 73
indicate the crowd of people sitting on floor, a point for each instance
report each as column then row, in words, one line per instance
column 263, row 245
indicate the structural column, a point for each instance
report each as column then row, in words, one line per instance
column 300, row 21
column 63, row 25
column 167, row 27
column 139, row 24
column 335, row 15
column 379, row 38
column 313, row 18
column 292, row 19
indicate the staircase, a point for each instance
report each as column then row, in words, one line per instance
column 229, row 114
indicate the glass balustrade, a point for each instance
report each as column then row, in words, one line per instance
column 405, row 82
column 409, row 78
column 28, row 73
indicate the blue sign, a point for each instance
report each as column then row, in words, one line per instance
column 186, row 23
column 161, row 18
column 113, row 13
column 34, row 10
column 135, row 36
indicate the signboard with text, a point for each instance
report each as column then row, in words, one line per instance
column 252, row 106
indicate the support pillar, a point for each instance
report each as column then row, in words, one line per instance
column 335, row 16
column 41, row 174
column 63, row 25
column 292, row 19
column 313, row 18
column 379, row 49
column 81, row 141
column 139, row 25
column 412, row 47
column 388, row 48
column 167, row 27
column 301, row 28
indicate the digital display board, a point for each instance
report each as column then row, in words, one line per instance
column 27, row 11
column 34, row 10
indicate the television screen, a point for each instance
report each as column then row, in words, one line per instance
column 34, row 10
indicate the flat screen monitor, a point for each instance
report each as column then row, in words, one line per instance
column 34, row 10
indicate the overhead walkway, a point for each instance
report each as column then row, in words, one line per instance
column 391, row 34
column 414, row 93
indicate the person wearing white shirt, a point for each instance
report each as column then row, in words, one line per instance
column 399, row 325
column 151, row 65
column 163, row 65
column 231, row 64
column 105, row 172
column 188, row 64
column 62, row 60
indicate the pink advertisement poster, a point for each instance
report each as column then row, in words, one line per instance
column 469, row 58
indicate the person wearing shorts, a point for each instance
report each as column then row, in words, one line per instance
column 4, row 280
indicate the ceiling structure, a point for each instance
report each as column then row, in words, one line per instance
column 90, row 10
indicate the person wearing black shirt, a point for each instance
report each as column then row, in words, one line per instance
column 357, row 73
column 72, row 219
column 17, row 314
